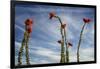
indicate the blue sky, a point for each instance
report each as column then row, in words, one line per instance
column 43, row 46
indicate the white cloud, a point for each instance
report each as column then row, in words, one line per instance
column 86, row 54
column 20, row 28
column 48, row 53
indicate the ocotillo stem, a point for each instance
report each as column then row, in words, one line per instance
column 62, row 49
column 62, row 44
column 78, row 56
column 21, row 50
column 27, row 52
column 67, row 52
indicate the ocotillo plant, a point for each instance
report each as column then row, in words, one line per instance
column 86, row 21
column 52, row 14
column 66, row 43
column 28, row 30
column 67, row 52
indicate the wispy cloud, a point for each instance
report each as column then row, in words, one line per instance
column 86, row 54
column 52, row 56
column 19, row 27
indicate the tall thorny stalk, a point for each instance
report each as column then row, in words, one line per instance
column 27, row 51
column 86, row 21
column 64, row 56
column 62, row 44
column 80, row 42
column 25, row 41
column 67, row 52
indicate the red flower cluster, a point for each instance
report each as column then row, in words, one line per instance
column 51, row 15
column 86, row 20
column 59, row 41
column 28, row 24
column 70, row 44
column 63, row 26
column 29, row 30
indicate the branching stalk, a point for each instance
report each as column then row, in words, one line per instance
column 62, row 44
